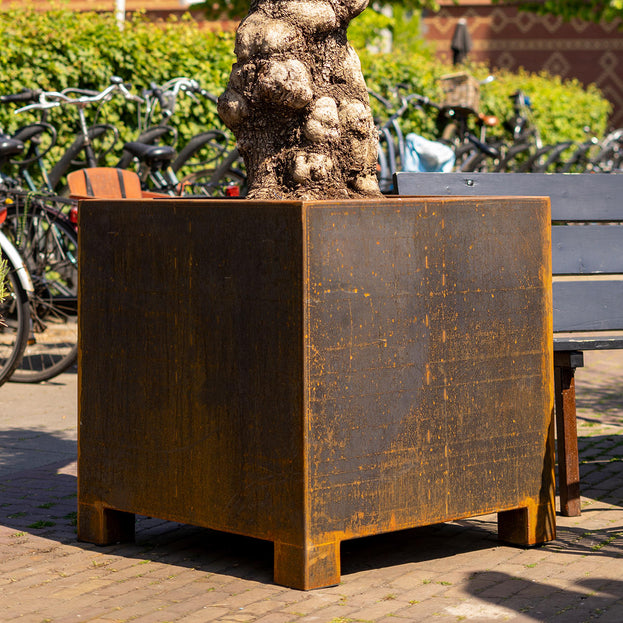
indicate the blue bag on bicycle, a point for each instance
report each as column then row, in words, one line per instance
column 424, row 156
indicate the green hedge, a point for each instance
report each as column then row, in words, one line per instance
column 561, row 109
column 57, row 49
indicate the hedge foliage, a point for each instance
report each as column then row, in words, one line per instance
column 57, row 49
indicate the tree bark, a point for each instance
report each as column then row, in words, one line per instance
column 298, row 105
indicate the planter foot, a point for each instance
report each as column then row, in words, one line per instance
column 531, row 525
column 307, row 567
column 104, row 526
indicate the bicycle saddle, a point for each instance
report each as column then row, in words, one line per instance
column 488, row 120
column 150, row 153
column 10, row 146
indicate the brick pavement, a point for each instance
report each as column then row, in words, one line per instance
column 450, row 572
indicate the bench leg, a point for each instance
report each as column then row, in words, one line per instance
column 307, row 567
column 567, row 439
column 104, row 526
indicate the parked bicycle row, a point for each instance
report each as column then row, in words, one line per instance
column 38, row 233
column 38, row 218
column 208, row 163
column 466, row 140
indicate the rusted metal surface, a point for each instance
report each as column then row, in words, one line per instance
column 310, row 372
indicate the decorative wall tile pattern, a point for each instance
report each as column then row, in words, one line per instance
column 507, row 38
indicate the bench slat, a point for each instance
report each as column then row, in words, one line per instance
column 588, row 305
column 575, row 197
column 583, row 342
column 586, row 249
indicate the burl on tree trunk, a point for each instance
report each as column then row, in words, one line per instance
column 298, row 105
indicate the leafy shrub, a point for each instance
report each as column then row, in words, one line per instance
column 57, row 49
column 561, row 109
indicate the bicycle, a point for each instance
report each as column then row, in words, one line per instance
column 580, row 159
column 156, row 164
column 523, row 152
column 391, row 151
column 46, row 241
column 452, row 128
column 87, row 133
column 609, row 158
column 206, row 165
column 38, row 138
column 160, row 167
column 16, row 290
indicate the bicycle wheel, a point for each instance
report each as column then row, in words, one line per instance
column 608, row 160
column 474, row 162
column 214, row 183
column 49, row 248
column 14, row 321
column 201, row 150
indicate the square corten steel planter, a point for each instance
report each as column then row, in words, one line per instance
column 310, row 372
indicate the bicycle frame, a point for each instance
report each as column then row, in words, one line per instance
column 84, row 138
column 20, row 267
column 82, row 142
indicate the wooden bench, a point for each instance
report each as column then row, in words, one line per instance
column 587, row 268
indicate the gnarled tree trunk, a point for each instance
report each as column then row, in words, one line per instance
column 297, row 102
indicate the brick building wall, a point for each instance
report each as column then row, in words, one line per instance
column 507, row 38
column 154, row 9
column 156, row 6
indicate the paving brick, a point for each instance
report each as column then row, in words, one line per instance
column 312, row 602
column 274, row 617
column 204, row 615
column 504, row 587
column 379, row 609
column 190, row 575
column 26, row 618
column 614, row 614
column 327, row 614
column 429, row 608
column 135, row 610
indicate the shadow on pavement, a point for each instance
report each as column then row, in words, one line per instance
column 42, row 502
column 500, row 595
column 22, row 449
column 39, row 498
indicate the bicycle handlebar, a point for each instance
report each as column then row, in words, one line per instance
column 52, row 99
column 405, row 100
column 208, row 95
column 174, row 86
column 27, row 95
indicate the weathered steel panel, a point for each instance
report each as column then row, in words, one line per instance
column 191, row 362
column 423, row 350
column 587, row 243
column 308, row 372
